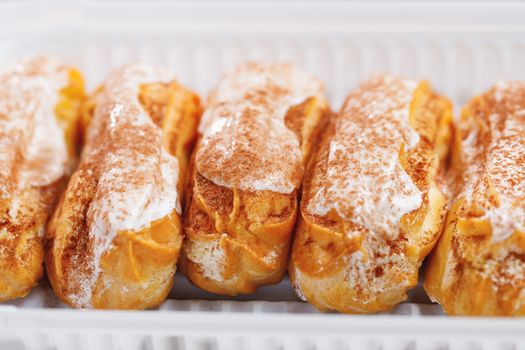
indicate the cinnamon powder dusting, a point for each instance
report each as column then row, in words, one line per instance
column 246, row 143
column 33, row 150
column 492, row 175
column 135, row 177
column 363, row 180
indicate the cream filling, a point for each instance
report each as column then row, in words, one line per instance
column 29, row 93
column 366, row 183
column 245, row 116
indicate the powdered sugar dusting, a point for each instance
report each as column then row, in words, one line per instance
column 360, row 268
column 246, row 143
column 271, row 257
column 209, row 256
column 33, row 150
column 493, row 156
column 297, row 284
column 504, row 269
column 364, row 181
column 137, row 177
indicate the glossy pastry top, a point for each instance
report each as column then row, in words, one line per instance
column 136, row 177
column 362, row 178
column 492, row 177
column 33, row 150
column 246, row 142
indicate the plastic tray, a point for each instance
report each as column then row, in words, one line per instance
column 460, row 47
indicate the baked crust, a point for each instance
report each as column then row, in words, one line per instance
column 340, row 260
column 141, row 126
column 237, row 237
column 26, row 204
column 478, row 266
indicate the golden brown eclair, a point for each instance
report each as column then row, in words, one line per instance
column 371, row 208
column 115, row 237
column 256, row 135
column 478, row 265
column 39, row 134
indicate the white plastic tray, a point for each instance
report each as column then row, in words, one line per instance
column 460, row 47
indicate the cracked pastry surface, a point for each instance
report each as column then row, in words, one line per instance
column 255, row 137
column 478, row 266
column 371, row 207
column 40, row 102
column 115, row 237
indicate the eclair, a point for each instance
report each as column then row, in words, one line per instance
column 40, row 101
column 372, row 207
column 115, row 237
column 478, row 265
column 256, row 135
